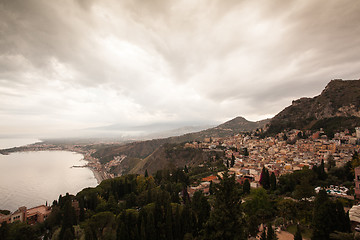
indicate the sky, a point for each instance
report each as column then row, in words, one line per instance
column 79, row 64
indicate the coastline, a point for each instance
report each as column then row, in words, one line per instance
column 97, row 175
column 92, row 163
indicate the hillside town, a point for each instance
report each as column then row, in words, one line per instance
column 284, row 153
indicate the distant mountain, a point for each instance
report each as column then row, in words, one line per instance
column 143, row 149
column 150, row 131
column 336, row 108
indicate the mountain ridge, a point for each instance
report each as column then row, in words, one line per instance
column 339, row 99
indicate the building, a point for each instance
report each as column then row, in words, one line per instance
column 357, row 129
column 37, row 214
column 357, row 182
column 31, row 216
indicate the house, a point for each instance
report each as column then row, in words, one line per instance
column 31, row 216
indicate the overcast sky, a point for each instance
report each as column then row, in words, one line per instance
column 74, row 64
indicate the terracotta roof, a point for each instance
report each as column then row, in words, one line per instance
column 208, row 179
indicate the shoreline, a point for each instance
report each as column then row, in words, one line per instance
column 97, row 175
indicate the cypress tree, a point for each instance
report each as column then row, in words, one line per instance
column 265, row 178
column 340, row 217
column 169, row 220
column 143, row 229
column 146, row 173
column 150, row 227
column 273, row 182
column 177, row 224
column 232, row 160
column 347, row 222
column 298, row 235
column 69, row 219
column 246, row 186
column 270, row 233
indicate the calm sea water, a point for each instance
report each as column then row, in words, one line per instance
column 32, row 178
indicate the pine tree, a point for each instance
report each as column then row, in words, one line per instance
column 298, row 235
column 226, row 219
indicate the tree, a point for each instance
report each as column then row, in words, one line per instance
column 211, row 188
column 169, row 220
column 263, row 235
column 265, row 178
column 201, row 208
column 271, row 235
column 4, row 230
column 227, row 163
column 246, row 186
column 69, row 219
column 146, row 173
column 226, row 219
column 330, row 162
column 258, row 204
column 186, row 170
column 298, row 235
column 303, row 190
column 232, row 160
column 324, row 217
column 273, row 182
column 246, row 153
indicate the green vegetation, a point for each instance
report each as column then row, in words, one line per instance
column 159, row 207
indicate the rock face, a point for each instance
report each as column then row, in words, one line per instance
column 340, row 98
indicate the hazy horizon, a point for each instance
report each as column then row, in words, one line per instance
column 85, row 64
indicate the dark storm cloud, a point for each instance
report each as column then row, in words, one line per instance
column 93, row 62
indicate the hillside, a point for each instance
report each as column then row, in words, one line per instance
column 170, row 156
column 338, row 107
column 143, row 149
column 150, row 154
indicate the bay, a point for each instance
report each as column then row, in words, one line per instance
column 32, row 178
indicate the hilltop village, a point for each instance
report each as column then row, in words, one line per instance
column 247, row 154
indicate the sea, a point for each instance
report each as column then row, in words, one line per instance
column 34, row 178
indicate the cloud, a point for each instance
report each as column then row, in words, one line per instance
column 74, row 64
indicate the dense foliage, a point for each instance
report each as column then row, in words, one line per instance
column 159, row 207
